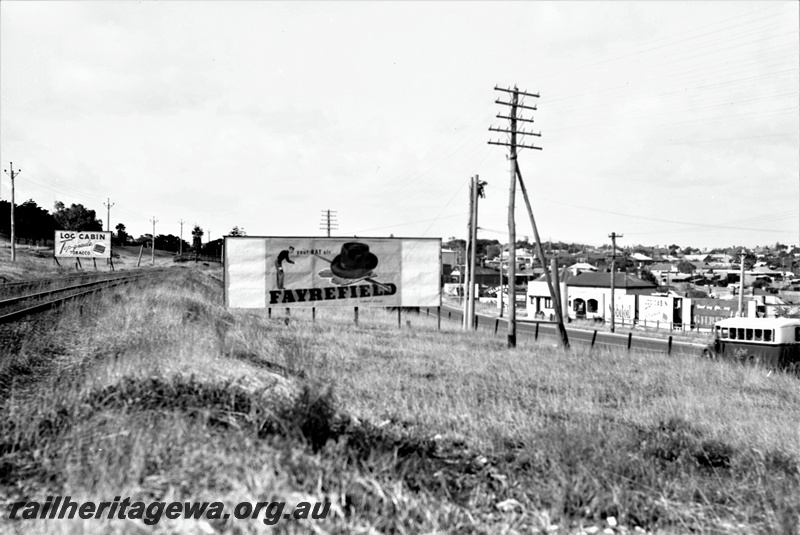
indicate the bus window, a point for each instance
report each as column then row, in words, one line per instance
column 724, row 332
column 797, row 334
column 748, row 334
column 740, row 333
column 767, row 335
column 733, row 333
column 759, row 334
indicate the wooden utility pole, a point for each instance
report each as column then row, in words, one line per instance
column 466, row 323
column 12, row 174
column 475, row 192
column 108, row 204
column 153, row 250
column 613, row 237
column 741, row 285
column 512, row 157
column 500, row 292
column 180, row 243
column 328, row 221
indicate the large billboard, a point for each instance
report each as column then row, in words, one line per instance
column 301, row 272
column 83, row 244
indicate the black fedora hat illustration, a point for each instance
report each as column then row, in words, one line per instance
column 354, row 261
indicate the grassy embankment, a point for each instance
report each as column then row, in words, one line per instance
column 34, row 262
column 156, row 392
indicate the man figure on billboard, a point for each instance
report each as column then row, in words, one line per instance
column 284, row 255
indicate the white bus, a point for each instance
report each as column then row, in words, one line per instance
column 772, row 342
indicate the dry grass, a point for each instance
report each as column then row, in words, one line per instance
column 34, row 262
column 157, row 392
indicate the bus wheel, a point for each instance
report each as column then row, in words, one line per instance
column 753, row 360
column 708, row 354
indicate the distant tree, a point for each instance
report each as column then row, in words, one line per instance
column 648, row 276
column 122, row 236
column 686, row 267
column 144, row 239
column 76, row 217
column 168, row 242
column 212, row 248
column 696, row 294
column 483, row 245
column 197, row 241
column 493, row 251
column 688, row 250
column 197, row 236
column 236, row 231
column 34, row 222
column 455, row 244
column 761, row 283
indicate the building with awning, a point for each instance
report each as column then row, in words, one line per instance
column 586, row 295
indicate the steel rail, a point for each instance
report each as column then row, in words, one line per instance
column 17, row 299
column 13, row 316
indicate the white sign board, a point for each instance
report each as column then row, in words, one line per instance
column 82, row 244
column 654, row 309
column 298, row 272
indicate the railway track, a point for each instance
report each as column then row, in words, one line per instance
column 19, row 300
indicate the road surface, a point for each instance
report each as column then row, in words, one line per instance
column 528, row 328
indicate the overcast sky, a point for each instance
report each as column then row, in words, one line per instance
column 666, row 122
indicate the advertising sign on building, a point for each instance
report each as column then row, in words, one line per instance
column 303, row 272
column 654, row 309
column 624, row 308
column 82, row 244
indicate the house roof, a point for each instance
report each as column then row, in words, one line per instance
column 640, row 257
column 662, row 267
column 696, row 257
column 583, row 265
column 589, row 279
column 603, row 280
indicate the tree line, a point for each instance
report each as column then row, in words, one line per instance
column 36, row 226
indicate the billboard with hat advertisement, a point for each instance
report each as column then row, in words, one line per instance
column 267, row 272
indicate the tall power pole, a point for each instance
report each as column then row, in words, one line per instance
column 108, row 204
column 180, row 243
column 466, row 320
column 12, row 174
column 741, row 285
column 613, row 237
column 512, row 144
column 328, row 222
column 153, row 250
column 475, row 192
